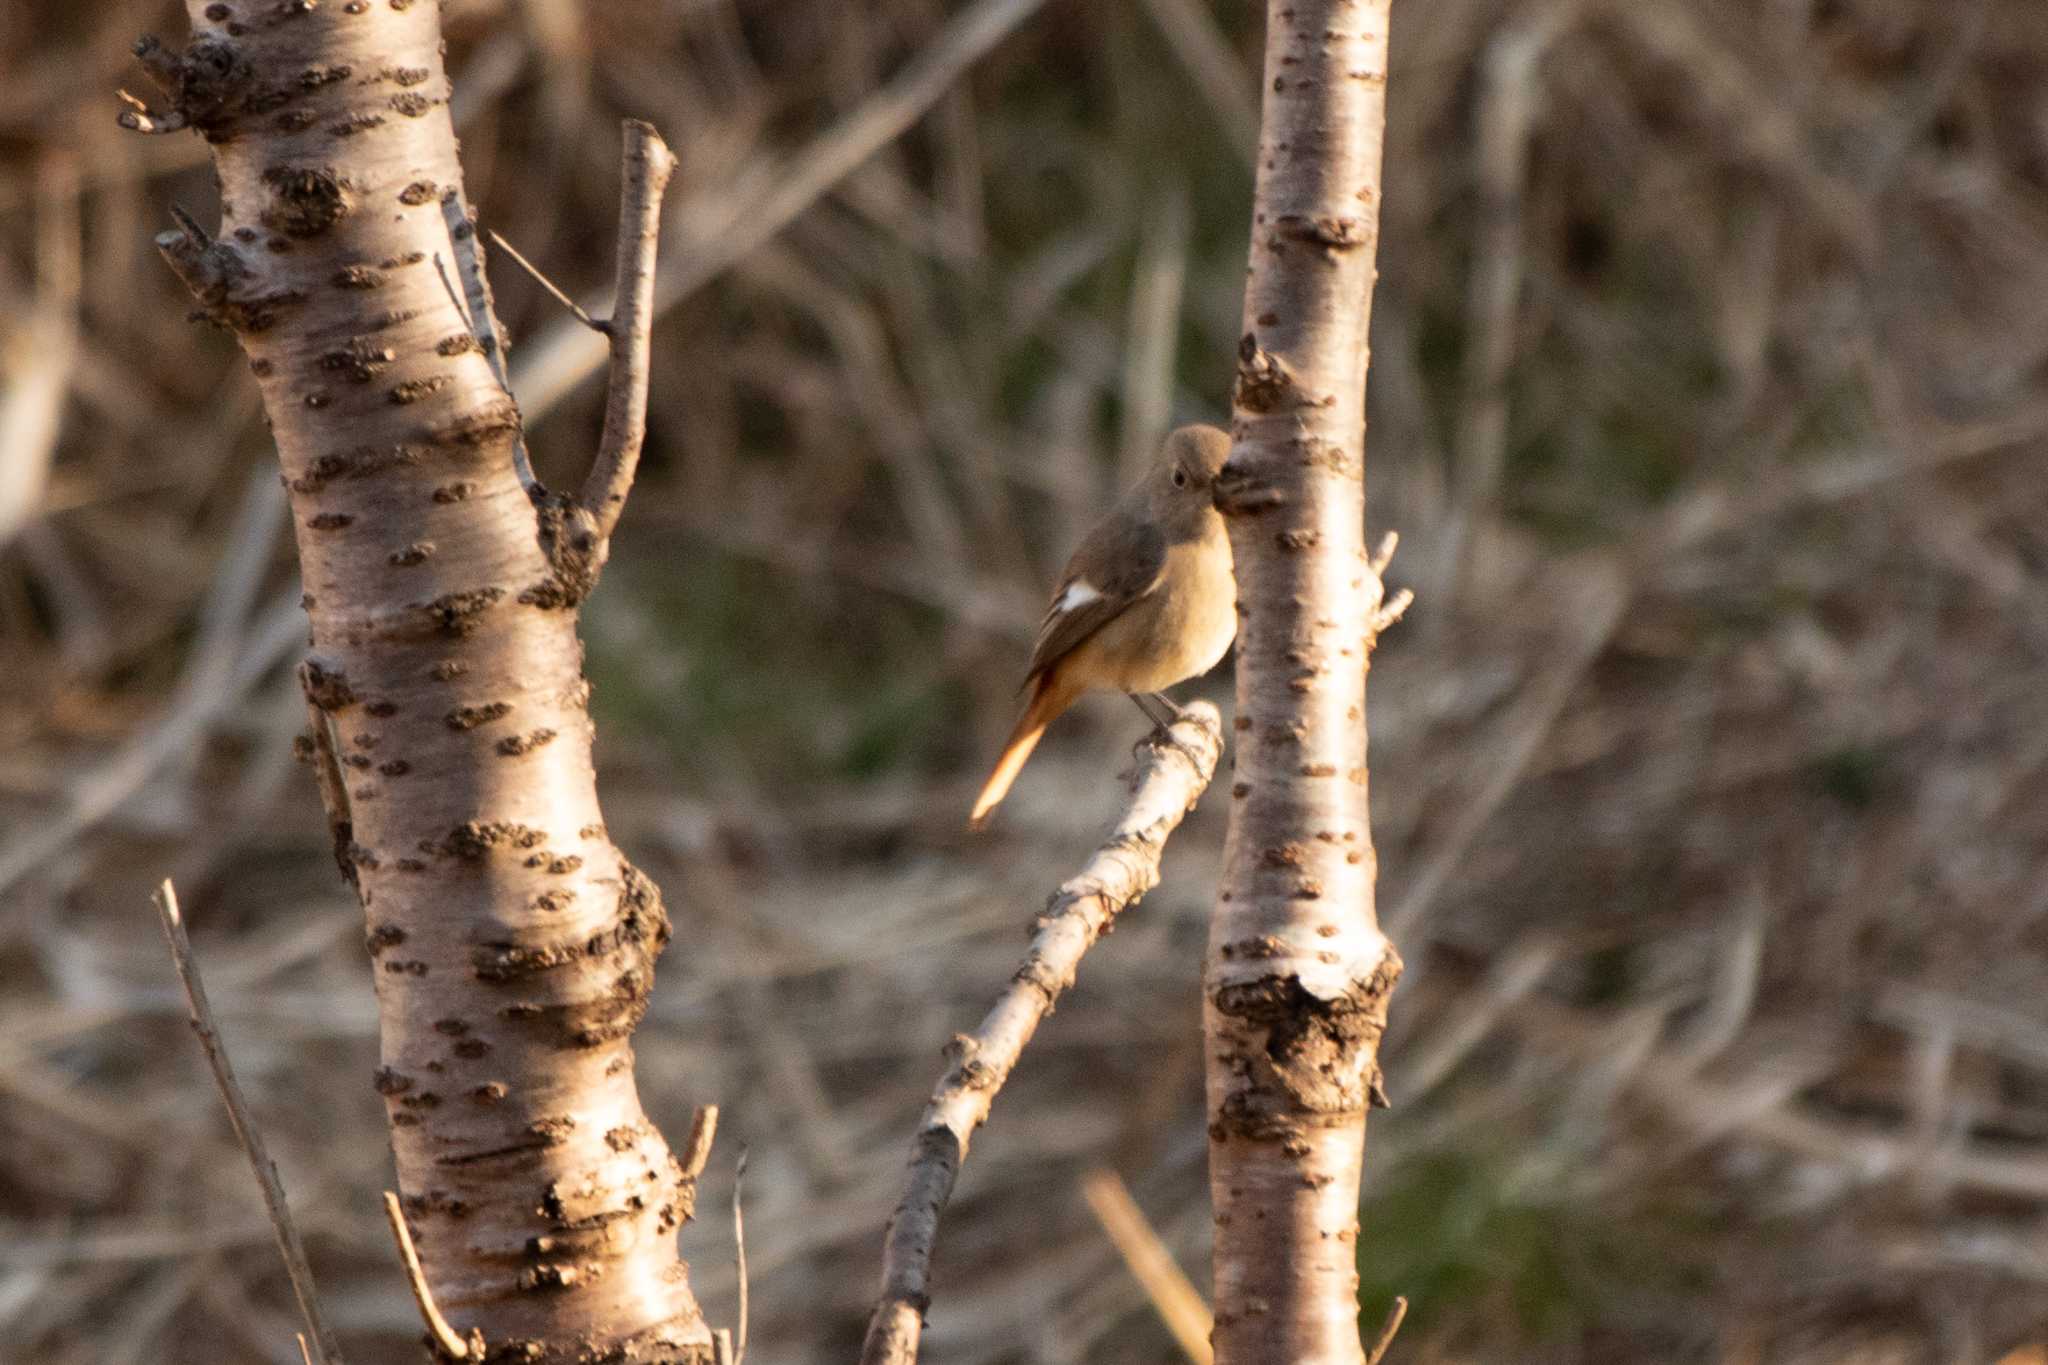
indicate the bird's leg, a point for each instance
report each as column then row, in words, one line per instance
column 1164, row 713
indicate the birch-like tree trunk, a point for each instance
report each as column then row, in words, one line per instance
column 1298, row 973
column 512, row 942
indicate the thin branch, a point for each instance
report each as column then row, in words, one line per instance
column 739, row 1253
column 646, row 165
column 1168, row 782
column 554, row 290
column 446, row 1340
column 697, row 1147
column 305, row 1351
column 289, row 1247
column 1177, row 1302
column 455, row 297
column 1396, row 1315
column 725, row 223
column 481, row 311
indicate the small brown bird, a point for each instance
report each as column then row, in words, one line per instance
column 1148, row 601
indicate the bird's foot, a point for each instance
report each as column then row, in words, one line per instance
column 1164, row 714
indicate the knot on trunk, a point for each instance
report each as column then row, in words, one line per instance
column 1301, row 1060
column 575, row 548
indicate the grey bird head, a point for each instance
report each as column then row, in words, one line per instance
column 1180, row 488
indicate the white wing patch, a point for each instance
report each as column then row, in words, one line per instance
column 1079, row 593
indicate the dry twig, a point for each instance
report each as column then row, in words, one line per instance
column 447, row 1340
column 739, row 1252
column 1395, row 1316
column 565, row 356
column 480, row 309
column 1165, row 788
column 555, row 291
column 1177, row 1302
column 289, row 1247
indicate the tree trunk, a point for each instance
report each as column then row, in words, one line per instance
column 1298, row 973
column 513, row 943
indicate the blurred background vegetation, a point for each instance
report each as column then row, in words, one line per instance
column 1708, row 395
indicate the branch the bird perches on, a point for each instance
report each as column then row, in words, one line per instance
column 1172, row 773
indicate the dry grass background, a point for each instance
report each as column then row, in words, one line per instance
column 1708, row 394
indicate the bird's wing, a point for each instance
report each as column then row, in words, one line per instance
column 1121, row 561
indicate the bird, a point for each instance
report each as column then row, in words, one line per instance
column 1148, row 600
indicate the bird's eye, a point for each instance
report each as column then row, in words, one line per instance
column 1180, row 478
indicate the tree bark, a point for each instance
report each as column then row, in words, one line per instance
column 1170, row 778
column 1298, row 974
column 513, row 943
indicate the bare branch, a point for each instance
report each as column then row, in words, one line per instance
column 1168, row 782
column 697, row 1147
column 480, row 310
column 554, row 290
column 646, row 165
column 289, row 1247
column 731, row 221
column 1396, row 1315
column 1177, row 1302
column 446, row 1340
column 739, row 1252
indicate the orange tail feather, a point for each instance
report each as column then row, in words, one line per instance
column 1046, row 704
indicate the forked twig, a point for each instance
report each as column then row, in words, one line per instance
column 647, row 165
column 289, row 1246
column 559, row 361
column 1168, row 782
column 446, row 1339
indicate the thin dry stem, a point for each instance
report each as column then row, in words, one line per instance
column 480, row 310
column 1177, row 1302
column 697, row 1146
column 564, row 358
column 1171, row 776
column 289, row 1247
column 447, row 1340
column 739, row 1251
column 1396, row 1315
column 554, row 290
